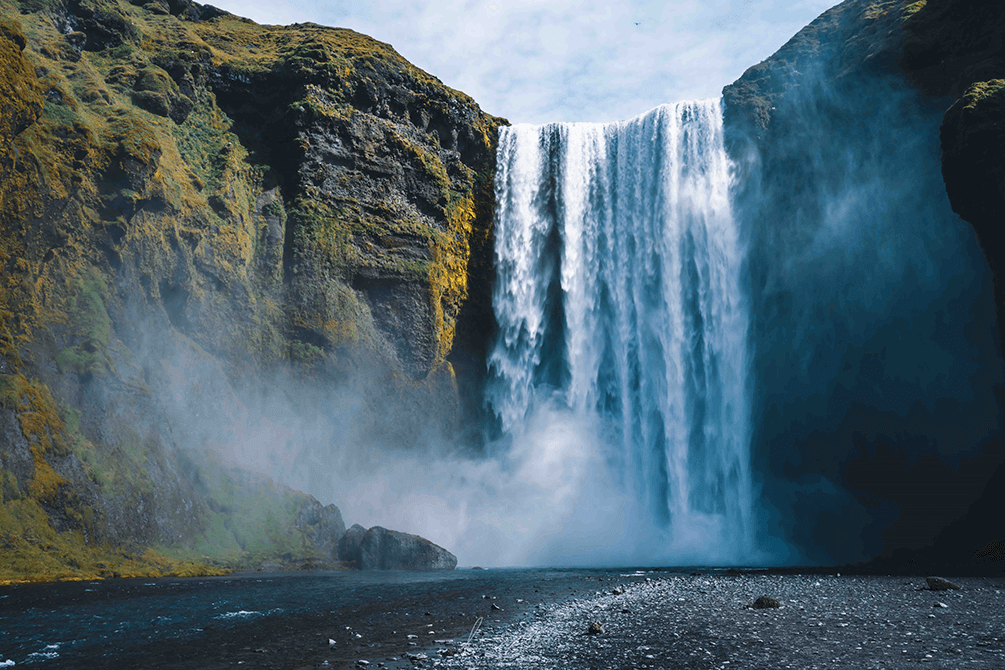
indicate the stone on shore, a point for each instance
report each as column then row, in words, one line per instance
column 764, row 602
column 940, row 584
column 383, row 549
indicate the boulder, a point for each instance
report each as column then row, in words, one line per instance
column 940, row 584
column 765, row 602
column 383, row 549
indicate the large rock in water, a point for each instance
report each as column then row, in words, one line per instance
column 383, row 549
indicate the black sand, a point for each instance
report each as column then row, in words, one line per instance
column 540, row 619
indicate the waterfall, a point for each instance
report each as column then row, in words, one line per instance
column 618, row 297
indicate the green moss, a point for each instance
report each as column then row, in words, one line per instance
column 78, row 360
column 11, row 391
column 275, row 208
column 90, row 323
column 34, row 551
column 252, row 519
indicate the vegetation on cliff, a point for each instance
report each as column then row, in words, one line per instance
column 191, row 201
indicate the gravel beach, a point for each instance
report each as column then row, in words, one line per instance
column 705, row 621
column 531, row 618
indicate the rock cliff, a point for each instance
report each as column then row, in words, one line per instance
column 206, row 226
column 867, row 119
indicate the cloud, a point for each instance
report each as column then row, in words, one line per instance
column 562, row 60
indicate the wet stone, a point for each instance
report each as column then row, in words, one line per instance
column 765, row 602
column 940, row 584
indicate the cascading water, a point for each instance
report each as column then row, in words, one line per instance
column 618, row 299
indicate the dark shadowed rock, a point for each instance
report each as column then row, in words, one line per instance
column 595, row 628
column 383, row 549
column 348, row 544
column 940, row 584
column 973, row 143
column 764, row 602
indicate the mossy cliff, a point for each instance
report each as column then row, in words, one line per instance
column 887, row 113
column 194, row 208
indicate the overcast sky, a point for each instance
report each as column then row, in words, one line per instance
column 560, row 60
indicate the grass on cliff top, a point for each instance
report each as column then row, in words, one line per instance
column 311, row 51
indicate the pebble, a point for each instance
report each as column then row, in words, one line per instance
column 852, row 622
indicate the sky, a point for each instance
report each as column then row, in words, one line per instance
column 535, row 61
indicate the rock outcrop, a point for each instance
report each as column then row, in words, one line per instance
column 855, row 100
column 208, row 226
column 383, row 549
column 973, row 143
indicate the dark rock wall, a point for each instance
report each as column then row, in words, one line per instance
column 877, row 416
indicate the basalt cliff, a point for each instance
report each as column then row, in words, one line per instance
column 877, row 113
column 206, row 225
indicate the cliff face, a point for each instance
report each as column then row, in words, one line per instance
column 206, row 226
column 844, row 134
